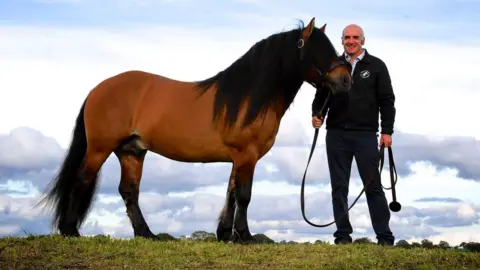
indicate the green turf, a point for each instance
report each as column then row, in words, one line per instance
column 55, row 252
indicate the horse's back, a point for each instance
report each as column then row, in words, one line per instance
column 136, row 93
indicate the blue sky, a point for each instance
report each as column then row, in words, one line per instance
column 64, row 48
column 440, row 19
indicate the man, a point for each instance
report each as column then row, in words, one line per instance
column 352, row 132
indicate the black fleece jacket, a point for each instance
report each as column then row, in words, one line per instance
column 371, row 94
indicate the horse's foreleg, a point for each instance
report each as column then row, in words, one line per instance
column 225, row 221
column 243, row 192
column 131, row 158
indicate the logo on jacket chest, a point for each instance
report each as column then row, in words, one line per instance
column 364, row 74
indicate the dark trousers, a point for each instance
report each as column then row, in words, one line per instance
column 342, row 146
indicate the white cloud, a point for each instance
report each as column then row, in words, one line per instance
column 27, row 148
column 426, row 181
column 466, row 211
column 64, row 65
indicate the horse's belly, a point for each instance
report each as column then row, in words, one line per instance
column 180, row 143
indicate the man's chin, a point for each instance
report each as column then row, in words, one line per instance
column 352, row 51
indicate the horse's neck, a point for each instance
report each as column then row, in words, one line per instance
column 282, row 106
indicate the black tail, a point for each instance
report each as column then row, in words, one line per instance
column 69, row 175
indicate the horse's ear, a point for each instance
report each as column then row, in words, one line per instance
column 309, row 29
column 323, row 28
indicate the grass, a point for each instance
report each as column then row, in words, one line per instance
column 55, row 252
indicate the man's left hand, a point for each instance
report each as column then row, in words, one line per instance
column 386, row 140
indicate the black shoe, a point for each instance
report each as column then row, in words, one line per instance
column 342, row 241
column 385, row 242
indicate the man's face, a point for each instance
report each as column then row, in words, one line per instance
column 352, row 40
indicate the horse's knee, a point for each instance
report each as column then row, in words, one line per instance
column 244, row 167
column 243, row 193
column 243, row 200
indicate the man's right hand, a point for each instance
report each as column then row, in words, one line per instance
column 317, row 122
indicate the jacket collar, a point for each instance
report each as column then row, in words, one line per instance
column 366, row 57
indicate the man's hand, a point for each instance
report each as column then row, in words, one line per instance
column 317, row 122
column 386, row 140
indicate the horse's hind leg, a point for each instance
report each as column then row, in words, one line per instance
column 225, row 221
column 131, row 154
column 82, row 193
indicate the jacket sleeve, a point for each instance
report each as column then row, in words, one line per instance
column 386, row 100
column 318, row 101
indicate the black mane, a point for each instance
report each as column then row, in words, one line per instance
column 268, row 73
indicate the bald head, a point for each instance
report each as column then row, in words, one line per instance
column 353, row 28
column 353, row 39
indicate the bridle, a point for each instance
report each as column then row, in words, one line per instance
column 318, row 82
column 316, row 77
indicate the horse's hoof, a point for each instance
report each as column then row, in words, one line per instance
column 224, row 235
column 154, row 238
column 148, row 235
column 70, row 233
column 249, row 241
column 244, row 238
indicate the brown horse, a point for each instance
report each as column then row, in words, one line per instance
column 233, row 117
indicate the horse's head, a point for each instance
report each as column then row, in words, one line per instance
column 323, row 68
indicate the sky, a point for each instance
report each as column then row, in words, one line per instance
column 55, row 51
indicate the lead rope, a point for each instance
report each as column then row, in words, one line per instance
column 394, row 205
